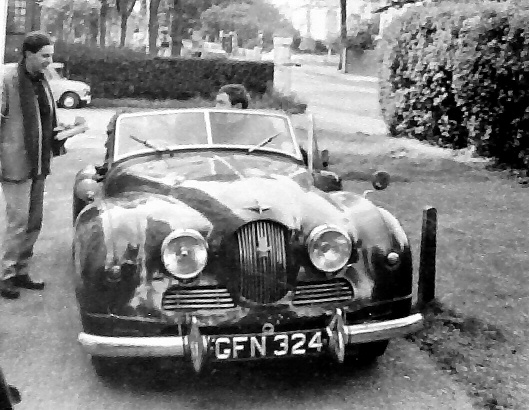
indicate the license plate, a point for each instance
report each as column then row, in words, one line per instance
column 255, row 346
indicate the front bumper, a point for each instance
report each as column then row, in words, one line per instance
column 178, row 346
column 87, row 99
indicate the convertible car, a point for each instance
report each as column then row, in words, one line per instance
column 216, row 236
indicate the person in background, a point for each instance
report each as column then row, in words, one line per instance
column 232, row 96
column 164, row 44
column 27, row 143
column 236, row 96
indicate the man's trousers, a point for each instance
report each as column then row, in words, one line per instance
column 24, row 211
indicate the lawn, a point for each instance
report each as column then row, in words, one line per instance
column 478, row 327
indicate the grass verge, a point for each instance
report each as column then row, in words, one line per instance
column 270, row 100
column 478, row 328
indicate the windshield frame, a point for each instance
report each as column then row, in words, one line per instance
column 209, row 145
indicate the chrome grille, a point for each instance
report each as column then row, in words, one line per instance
column 262, row 261
column 194, row 298
column 309, row 293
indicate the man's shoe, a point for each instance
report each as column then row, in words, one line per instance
column 24, row 281
column 8, row 290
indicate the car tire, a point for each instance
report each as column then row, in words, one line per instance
column 111, row 369
column 367, row 353
column 103, row 366
column 69, row 100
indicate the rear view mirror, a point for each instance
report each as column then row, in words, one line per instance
column 380, row 180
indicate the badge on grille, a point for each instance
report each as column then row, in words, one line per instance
column 258, row 207
column 262, row 247
column 198, row 346
column 336, row 333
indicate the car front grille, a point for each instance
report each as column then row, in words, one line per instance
column 335, row 291
column 194, row 298
column 262, row 262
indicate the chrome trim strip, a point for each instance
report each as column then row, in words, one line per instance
column 388, row 329
column 133, row 346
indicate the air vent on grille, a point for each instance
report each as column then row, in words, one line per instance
column 334, row 291
column 262, row 262
column 177, row 298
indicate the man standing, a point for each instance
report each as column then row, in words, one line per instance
column 27, row 143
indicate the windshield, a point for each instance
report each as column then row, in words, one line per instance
column 143, row 132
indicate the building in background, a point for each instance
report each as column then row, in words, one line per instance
column 321, row 19
column 23, row 16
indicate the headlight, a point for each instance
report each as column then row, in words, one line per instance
column 329, row 248
column 184, row 253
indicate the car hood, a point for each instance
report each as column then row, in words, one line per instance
column 225, row 191
column 70, row 84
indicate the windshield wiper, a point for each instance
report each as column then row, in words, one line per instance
column 149, row 145
column 264, row 142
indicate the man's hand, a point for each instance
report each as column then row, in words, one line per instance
column 65, row 131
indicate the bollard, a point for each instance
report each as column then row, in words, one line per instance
column 426, row 287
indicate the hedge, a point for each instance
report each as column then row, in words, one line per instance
column 121, row 73
column 456, row 74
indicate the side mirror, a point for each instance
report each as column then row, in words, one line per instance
column 325, row 159
column 380, row 180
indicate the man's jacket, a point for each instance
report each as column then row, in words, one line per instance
column 25, row 150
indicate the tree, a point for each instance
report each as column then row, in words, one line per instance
column 153, row 25
column 124, row 8
column 247, row 18
column 103, row 14
column 70, row 19
column 343, row 33
column 177, row 27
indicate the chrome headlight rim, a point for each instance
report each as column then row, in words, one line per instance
column 316, row 233
column 179, row 233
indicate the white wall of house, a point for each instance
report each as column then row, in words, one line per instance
column 321, row 19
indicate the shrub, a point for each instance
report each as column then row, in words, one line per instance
column 128, row 74
column 417, row 94
column 457, row 73
column 272, row 100
column 276, row 100
column 492, row 78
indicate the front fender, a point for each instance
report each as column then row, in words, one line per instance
column 378, row 233
column 117, row 246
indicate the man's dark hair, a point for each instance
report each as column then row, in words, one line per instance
column 237, row 94
column 34, row 42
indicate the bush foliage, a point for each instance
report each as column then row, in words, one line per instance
column 456, row 74
column 119, row 73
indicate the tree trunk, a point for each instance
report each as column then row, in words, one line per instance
column 343, row 32
column 153, row 26
column 60, row 25
column 123, row 37
column 177, row 28
column 93, row 26
column 103, row 23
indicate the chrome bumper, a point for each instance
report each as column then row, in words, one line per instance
column 177, row 346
